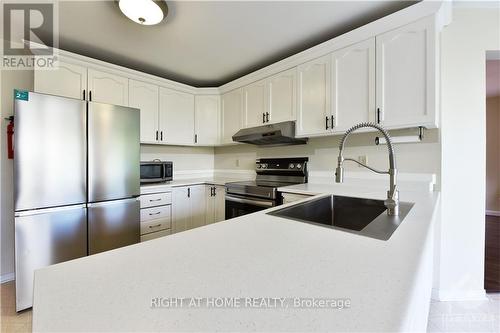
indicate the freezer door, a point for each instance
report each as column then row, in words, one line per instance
column 114, row 152
column 45, row 237
column 49, row 152
column 113, row 224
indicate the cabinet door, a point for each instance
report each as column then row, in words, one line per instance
column 406, row 75
column 353, row 85
column 210, row 205
column 255, row 103
column 181, row 209
column 197, row 199
column 231, row 115
column 220, row 203
column 207, row 120
column 283, row 96
column 314, row 96
column 107, row 88
column 67, row 80
column 144, row 96
column 176, row 117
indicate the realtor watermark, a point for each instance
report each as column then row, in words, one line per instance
column 29, row 34
column 249, row 303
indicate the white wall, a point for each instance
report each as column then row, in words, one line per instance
column 185, row 158
column 9, row 81
column 421, row 157
column 460, row 271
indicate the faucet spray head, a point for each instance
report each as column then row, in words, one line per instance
column 339, row 174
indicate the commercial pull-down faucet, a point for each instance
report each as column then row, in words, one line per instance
column 392, row 201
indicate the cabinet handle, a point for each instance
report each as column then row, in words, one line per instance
column 326, row 122
column 153, row 200
column 154, row 226
column 378, row 115
column 189, row 192
column 332, row 119
column 263, row 117
column 83, row 94
column 156, row 135
column 196, row 138
column 267, row 117
column 211, row 191
column 157, row 213
column 161, row 136
column 215, row 193
column 90, row 96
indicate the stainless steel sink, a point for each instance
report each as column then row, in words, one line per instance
column 361, row 216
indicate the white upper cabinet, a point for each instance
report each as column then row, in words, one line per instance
column 231, row 114
column 282, row 92
column 207, row 119
column 176, row 117
column 314, row 97
column 353, row 85
column 107, row 88
column 144, row 96
column 255, row 104
column 67, row 80
column 406, row 75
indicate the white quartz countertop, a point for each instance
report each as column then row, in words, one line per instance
column 154, row 188
column 249, row 257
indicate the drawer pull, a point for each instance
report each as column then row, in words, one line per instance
column 151, row 214
column 154, row 226
column 153, row 200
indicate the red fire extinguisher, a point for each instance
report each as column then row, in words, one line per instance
column 10, row 138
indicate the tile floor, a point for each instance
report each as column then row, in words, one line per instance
column 472, row 316
column 480, row 316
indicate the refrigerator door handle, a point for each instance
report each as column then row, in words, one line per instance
column 47, row 210
column 111, row 202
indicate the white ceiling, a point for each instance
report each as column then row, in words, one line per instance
column 210, row 43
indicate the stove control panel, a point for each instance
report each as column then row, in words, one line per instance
column 292, row 164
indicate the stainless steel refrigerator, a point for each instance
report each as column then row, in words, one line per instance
column 76, row 182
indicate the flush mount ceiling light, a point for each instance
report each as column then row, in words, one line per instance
column 144, row 12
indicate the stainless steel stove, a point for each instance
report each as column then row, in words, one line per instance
column 251, row 196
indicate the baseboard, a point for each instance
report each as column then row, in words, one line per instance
column 7, row 277
column 458, row 295
column 492, row 212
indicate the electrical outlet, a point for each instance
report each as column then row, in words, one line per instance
column 362, row 159
column 237, row 162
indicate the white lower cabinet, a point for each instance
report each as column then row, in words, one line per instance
column 216, row 204
column 188, row 207
column 292, row 197
column 154, row 235
column 156, row 215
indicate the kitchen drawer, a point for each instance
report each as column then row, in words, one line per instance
column 154, row 235
column 157, row 199
column 153, row 213
column 155, row 225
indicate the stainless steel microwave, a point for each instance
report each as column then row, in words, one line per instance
column 156, row 171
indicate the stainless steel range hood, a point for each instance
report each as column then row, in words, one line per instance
column 280, row 134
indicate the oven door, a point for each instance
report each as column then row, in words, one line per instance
column 238, row 205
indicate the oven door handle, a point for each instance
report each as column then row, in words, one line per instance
column 259, row 203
